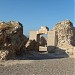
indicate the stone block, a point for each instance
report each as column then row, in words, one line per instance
column 52, row 40
column 42, row 49
column 33, row 35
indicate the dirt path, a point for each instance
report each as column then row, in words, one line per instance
column 62, row 66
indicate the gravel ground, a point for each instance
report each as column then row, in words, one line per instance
column 60, row 66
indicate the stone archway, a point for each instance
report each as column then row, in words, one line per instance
column 45, row 45
column 36, row 35
column 42, row 39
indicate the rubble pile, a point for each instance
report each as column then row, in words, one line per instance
column 32, row 45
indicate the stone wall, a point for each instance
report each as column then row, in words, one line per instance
column 11, row 39
column 51, row 40
column 43, row 30
column 66, row 36
column 65, row 33
column 35, row 36
column 73, row 42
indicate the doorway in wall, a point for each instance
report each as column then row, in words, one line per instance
column 42, row 39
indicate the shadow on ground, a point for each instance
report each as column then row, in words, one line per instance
column 33, row 55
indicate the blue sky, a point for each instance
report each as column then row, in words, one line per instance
column 35, row 13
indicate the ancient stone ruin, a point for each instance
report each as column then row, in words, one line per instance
column 12, row 40
column 62, row 37
column 65, row 34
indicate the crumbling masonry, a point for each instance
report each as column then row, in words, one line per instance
column 12, row 40
column 62, row 36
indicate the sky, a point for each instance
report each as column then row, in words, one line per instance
column 35, row 13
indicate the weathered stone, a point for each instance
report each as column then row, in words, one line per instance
column 64, row 31
column 11, row 38
column 52, row 40
column 4, row 54
column 43, row 30
column 33, row 35
column 66, row 37
column 40, row 41
column 32, row 45
column 61, row 37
